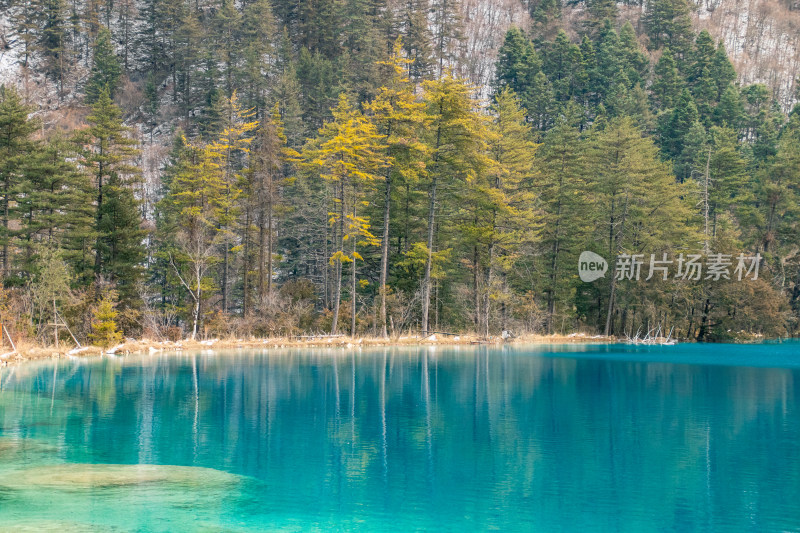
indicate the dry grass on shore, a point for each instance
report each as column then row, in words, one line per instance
column 31, row 352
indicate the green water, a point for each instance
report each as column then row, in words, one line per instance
column 557, row 438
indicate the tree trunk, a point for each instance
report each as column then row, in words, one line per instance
column 246, row 263
column 262, row 243
column 385, row 252
column 98, row 261
column 426, row 283
column 269, row 238
column 337, row 297
column 5, row 224
column 353, row 299
column 225, row 275
column 488, row 287
column 612, row 294
column 476, row 290
column 615, row 248
column 551, row 293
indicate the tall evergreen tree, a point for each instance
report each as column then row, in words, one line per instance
column 561, row 166
column 106, row 70
column 635, row 63
column 448, row 33
column 457, row 152
column 562, row 65
column 517, row 63
column 668, row 84
column 639, row 207
column 779, row 192
column 55, row 40
column 121, row 239
column 512, row 222
column 348, row 155
column 721, row 70
column 417, row 39
column 730, row 111
column 266, row 180
column 668, row 24
column 400, row 117
column 15, row 143
column 701, row 58
column 674, row 126
column 55, row 207
column 108, row 154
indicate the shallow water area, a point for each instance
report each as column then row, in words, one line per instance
column 515, row 438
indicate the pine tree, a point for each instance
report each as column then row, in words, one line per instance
column 610, row 62
column 668, row 84
column 228, row 149
column 517, row 63
column 513, row 220
column 730, row 111
column 705, row 96
column 722, row 71
column 694, row 153
column 15, row 143
column 448, row 33
column 226, row 50
column 55, row 207
column 779, row 193
column 675, row 125
column 362, row 47
column 188, row 38
column 320, row 26
column 457, row 153
column 54, row 41
column 121, row 241
column 540, row 103
column 347, row 154
column 105, row 332
column 727, row 174
column 287, row 96
column 561, row 167
column 590, row 97
column 400, row 117
column 702, row 57
column 108, row 154
column 258, row 36
column 635, row 63
column 319, row 87
column 599, row 14
column 668, row 24
column 106, row 70
column 417, row 39
column 562, row 65
column 639, row 207
column 266, row 175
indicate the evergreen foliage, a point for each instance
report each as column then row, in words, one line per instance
column 332, row 169
column 105, row 332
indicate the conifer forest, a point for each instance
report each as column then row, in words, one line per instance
column 255, row 168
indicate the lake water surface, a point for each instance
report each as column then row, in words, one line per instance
column 545, row 438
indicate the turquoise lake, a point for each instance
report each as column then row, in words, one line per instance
column 519, row 438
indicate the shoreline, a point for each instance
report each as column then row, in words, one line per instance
column 29, row 353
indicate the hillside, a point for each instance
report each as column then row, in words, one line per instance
column 373, row 166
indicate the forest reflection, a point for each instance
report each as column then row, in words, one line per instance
column 488, row 436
